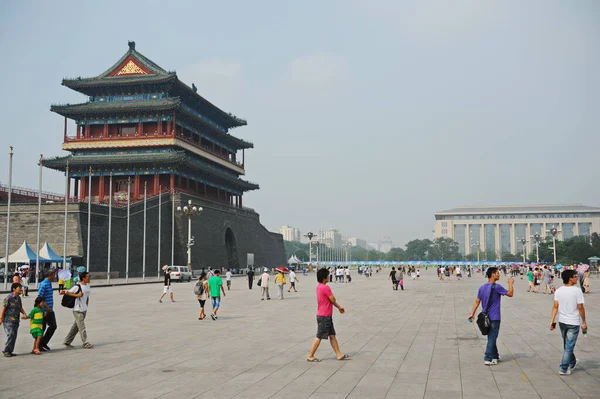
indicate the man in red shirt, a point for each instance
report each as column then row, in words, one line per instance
column 325, row 330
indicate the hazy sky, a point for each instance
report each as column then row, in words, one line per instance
column 367, row 116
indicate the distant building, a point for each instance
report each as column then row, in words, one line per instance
column 332, row 238
column 385, row 245
column 290, row 233
column 501, row 228
column 373, row 246
column 357, row 242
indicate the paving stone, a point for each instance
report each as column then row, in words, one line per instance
column 417, row 344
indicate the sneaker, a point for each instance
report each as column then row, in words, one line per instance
column 160, row 300
column 6, row 354
column 88, row 345
column 574, row 365
column 212, row 316
column 68, row 345
column 216, row 318
column 46, row 347
column 492, row 362
column 564, row 372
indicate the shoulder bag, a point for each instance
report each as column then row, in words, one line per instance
column 483, row 318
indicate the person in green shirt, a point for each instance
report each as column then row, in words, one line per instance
column 530, row 279
column 36, row 327
column 215, row 287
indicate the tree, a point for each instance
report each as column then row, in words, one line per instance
column 508, row 257
column 444, row 248
column 396, row 254
column 418, row 249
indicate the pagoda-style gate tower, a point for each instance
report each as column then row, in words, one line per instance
column 142, row 123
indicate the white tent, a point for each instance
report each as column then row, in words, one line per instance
column 23, row 255
column 293, row 260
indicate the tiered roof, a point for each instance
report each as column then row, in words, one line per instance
column 135, row 73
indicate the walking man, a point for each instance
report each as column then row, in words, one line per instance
column 215, row 286
column 325, row 330
column 250, row 278
column 489, row 295
column 82, row 292
column 264, row 284
column 167, row 287
column 228, row 279
column 49, row 323
column 9, row 316
column 568, row 304
column 293, row 280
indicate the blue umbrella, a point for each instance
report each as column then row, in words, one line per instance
column 80, row 269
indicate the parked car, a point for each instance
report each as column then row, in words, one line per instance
column 180, row 273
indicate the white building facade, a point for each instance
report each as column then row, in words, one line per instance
column 501, row 228
column 290, row 233
column 357, row 242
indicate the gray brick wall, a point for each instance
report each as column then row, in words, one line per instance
column 208, row 229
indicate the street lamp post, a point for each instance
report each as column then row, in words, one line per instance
column 189, row 210
column 537, row 238
column 553, row 231
column 310, row 236
column 523, row 241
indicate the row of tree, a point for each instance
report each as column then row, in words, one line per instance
column 573, row 250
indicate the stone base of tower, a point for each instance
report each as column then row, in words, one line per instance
column 223, row 235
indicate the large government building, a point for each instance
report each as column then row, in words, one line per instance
column 501, row 228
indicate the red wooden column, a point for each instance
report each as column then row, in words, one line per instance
column 174, row 125
column 100, row 188
column 159, row 128
column 168, row 128
column 140, row 128
column 136, row 187
column 155, row 186
column 86, row 130
column 172, row 182
column 76, row 188
column 105, row 131
column 82, row 189
column 78, row 131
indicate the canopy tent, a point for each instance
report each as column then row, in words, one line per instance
column 49, row 254
column 293, row 260
column 24, row 255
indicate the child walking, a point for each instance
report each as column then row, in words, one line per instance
column 36, row 327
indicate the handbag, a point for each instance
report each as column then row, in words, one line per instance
column 483, row 318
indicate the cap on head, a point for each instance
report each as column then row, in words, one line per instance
column 266, row 269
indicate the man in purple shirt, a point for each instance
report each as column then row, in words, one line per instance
column 492, row 356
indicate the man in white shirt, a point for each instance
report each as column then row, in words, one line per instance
column 82, row 292
column 264, row 284
column 568, row 304
column 347, row 274
column 228, row 279
column 293, row 280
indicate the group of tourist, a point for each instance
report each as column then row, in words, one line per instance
column 42, row 320
column 568, row 306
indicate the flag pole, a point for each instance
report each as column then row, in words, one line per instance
column 172, row 227
column 39, row 223
column 144, row 253
column 128, row 213
column 110, row 195
column 159, row 229
column 64, row 265
column 87, row 266
column 10, row 163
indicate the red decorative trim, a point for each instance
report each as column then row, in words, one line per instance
column 125, row 62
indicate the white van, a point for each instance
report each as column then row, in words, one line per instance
column 181, row 273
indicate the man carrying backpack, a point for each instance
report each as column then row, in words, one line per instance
column 81, row 292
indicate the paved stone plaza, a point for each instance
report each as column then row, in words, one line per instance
column 415, row 343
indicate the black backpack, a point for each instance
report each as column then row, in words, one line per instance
column 68, row 301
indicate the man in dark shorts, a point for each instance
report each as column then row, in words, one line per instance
column 325, row 330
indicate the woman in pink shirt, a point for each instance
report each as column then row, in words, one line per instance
column 325, row 330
